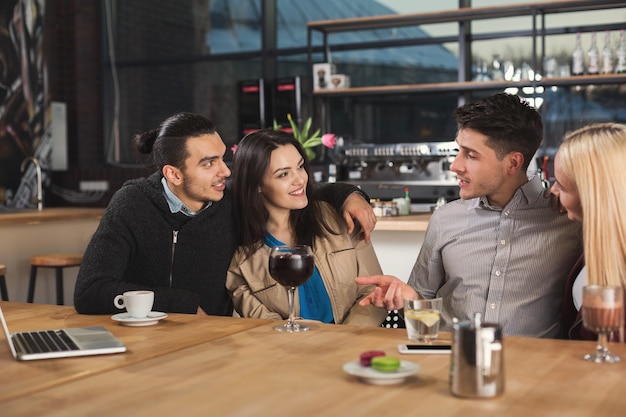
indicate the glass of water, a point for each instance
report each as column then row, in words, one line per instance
column 422, row 319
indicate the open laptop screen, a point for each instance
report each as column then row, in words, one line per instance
column 61, row 343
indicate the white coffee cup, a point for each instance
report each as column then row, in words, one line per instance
column 137, row 303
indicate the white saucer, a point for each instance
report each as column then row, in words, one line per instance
column 372, row 376
column 152, row 318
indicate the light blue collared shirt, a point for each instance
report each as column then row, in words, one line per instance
column 176, row 203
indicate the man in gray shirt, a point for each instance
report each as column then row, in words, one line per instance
column 501, row 250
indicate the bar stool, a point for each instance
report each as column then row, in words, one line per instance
column 3, row 283
column 58, row 261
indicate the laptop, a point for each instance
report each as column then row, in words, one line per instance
column 61, row 343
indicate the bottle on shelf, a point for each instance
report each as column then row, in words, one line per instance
column 578, row 58
column 407, row 201
column 593, row 57
column 620, row 68
column 607, row 54
column 509, row 70
column 526, row 72
column 550, row 67
column 481, row 71
column 403, row 204
column 332, row 173
column 497, row 73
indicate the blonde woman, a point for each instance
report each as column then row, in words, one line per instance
column 591, row 187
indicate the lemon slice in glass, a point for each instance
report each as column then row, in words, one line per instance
column 429, row 318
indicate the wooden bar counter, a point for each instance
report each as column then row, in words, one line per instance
column 397, row 241
column 411, row 223
column 29, row 232
column 32, row 216
column 260, row 372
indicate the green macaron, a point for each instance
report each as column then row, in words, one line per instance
column 386, row 363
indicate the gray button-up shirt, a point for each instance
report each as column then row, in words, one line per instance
column 509, row 264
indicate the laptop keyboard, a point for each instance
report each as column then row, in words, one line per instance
column 45, row 341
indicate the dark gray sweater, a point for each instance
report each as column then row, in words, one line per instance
column 140, row 244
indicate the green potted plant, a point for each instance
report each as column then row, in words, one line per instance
column 309, row 141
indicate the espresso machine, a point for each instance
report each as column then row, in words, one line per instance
column 385, row 171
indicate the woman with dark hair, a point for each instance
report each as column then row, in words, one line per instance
column 174, row 232
column 275, row 205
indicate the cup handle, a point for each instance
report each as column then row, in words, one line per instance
column 118, row 301
column 493, row 355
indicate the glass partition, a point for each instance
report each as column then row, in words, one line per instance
column 162, row 56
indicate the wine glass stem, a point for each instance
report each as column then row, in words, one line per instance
column 290, row 294
column 602, row 341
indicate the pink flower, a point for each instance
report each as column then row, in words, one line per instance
column 234, row 148
column 329, row 140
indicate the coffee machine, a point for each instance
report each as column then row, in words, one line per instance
column 384, row 171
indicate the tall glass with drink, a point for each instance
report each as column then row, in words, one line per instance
column 291, row 266
column 422, row 318
column 603, row 312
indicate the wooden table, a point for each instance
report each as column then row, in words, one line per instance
column 19, row 379
column 260, row 372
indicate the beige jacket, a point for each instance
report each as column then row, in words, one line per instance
column 339, row 259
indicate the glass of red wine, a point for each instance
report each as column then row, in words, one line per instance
column 291, row 266
column 603, row 312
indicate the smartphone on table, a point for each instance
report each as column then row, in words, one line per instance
column 425, row 349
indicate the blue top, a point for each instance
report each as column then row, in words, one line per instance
column 313, row 297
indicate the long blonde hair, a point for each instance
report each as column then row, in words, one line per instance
column 594, row 158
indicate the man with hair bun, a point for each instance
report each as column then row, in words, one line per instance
column 175, row 232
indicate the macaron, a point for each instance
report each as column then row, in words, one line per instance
column 385, row 363
column 366, row 357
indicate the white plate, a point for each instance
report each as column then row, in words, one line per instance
column 372, row 376
column 152, row 318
